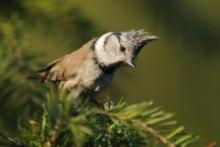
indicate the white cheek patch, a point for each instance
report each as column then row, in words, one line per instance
column 102, row 55
column 99, row 45
column 111, row 44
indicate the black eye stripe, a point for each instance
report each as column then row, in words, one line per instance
column 117, row 34
column 106, row 40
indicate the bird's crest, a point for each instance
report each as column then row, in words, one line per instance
column 140, row 37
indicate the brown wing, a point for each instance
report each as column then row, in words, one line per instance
column 61, row 69
column 52, row 72
column 66, row 67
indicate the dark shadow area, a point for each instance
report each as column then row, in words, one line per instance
column 10, row 6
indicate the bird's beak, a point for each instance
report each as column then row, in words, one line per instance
column 152, row 38
column 130, row 63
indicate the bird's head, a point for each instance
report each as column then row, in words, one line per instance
column 121, row 47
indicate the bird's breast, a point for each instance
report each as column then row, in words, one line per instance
column 91, row 79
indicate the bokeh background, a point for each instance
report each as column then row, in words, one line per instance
column 180, row 72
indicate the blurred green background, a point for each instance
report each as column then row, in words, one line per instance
column 180, row 72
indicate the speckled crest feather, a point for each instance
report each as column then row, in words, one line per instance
column 139, row 37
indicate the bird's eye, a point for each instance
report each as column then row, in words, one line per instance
column 122, row 48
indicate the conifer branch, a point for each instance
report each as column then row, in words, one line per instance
column 146, row 127
column 115, row 125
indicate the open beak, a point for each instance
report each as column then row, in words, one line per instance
column 130, row 64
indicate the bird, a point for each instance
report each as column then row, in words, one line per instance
column 91, row 68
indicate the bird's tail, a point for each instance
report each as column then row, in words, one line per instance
column 35, row 76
